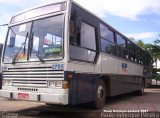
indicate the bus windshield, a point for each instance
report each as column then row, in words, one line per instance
column 42, row 37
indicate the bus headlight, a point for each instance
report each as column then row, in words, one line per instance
column 58, row 84
column 6, row 82
column 55, row 84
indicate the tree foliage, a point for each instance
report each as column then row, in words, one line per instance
column 141, row 44
column 153, row 49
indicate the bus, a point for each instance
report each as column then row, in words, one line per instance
column 1, row 46
column 61, row 53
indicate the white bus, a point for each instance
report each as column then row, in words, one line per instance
column 61, row 53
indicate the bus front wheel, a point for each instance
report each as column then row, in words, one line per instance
column 100, row 99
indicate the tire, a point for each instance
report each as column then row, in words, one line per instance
column 100, row 97
column 141, row 91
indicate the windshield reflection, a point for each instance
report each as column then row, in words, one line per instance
column 44, row 42
column 16, row 38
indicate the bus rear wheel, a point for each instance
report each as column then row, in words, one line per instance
column 100, row 99
column 142, row 86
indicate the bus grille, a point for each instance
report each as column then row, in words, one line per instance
column 32, row 76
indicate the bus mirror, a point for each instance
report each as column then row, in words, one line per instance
column 12, row 42
column 78, row 24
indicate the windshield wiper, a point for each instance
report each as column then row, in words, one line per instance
column 23, row 44
column 39, row 57
column 31, row 49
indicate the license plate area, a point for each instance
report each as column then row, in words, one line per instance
column 24, row 96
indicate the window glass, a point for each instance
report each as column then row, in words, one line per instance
column 130, row 46
column 88, row 38
column 131, row 51
column 36, row 43
column 73, row 33
column 120, row 41
column 137, row 51
column 108, row 46
column 83, row 54
column 122, row 52
column 48, row 38
column 106, row 33
column 38, row 12
column 1, row 47
column 83, row 44
column 138, row 55
column 17, row 43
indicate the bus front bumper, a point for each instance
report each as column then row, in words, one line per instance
column 39, row 97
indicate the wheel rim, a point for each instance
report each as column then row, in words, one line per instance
column 100, row 92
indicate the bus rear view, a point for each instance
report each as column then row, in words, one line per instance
column 33, row 56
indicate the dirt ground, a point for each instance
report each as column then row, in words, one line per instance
column 149, row 102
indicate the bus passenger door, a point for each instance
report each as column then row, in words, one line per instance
column 82, row 59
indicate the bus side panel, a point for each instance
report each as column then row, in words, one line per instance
column 109, row 64
column 85, row 88
column 123, row 84
column 82, row 87
column 72, row 87
column 129, row 68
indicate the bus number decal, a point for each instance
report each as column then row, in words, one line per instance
column 58, row 66
column 124, row 67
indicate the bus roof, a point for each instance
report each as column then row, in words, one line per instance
column 60, row 1
column 106, row 23
column 38, row 6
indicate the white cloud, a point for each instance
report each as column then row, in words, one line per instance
column 130, row 9
column 143, row 35
column 12, row 4
column 25, row 2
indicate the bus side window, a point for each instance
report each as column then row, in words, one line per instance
column 73, row 33
column 131, row 51
column 1, row 47
column 122, row 51
column 83, row 43
column 88, row 36
column 107, row 40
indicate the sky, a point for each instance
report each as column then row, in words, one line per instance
column 139, row 19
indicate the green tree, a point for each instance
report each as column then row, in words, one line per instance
column 157, row 41
column 141, row 44
column 154, row 50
